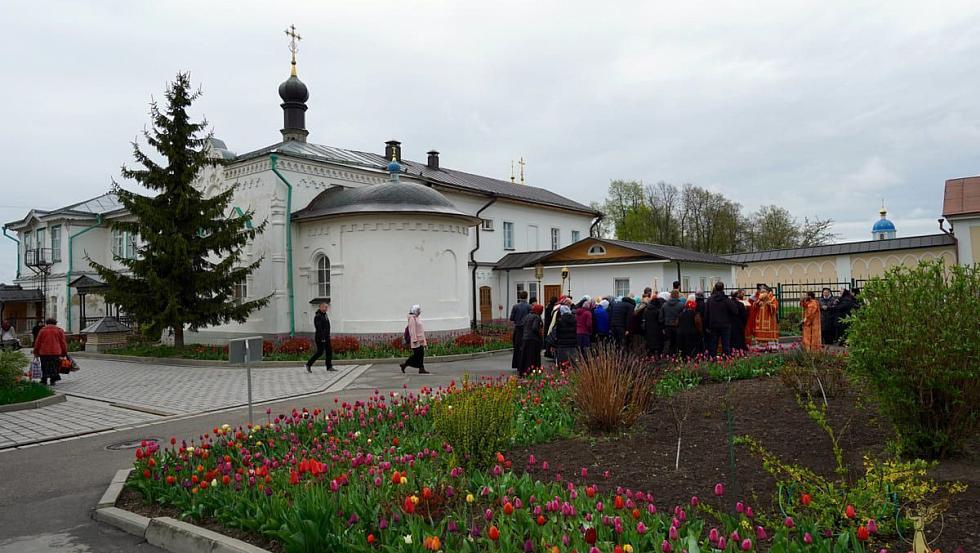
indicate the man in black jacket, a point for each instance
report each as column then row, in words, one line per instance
column 517, row 314
column 720, row 313
column 322, row 339
column 619, row 319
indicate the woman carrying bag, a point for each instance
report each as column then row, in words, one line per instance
column 51, row 346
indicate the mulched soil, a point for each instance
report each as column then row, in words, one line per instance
column 131, row 500
column 644, row 458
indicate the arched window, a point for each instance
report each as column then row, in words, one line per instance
column 597, row 250
column 323, row 277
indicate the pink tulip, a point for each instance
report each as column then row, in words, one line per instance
column 719, row 489
column 713, row 535
column 807, row 538
column 672, row 533
column 694, row 501
column 665, row 546
column 722, row 543
column 746, row 544
column 641, row 528
column 760, row 532
column 872, row 527
column 789, row 522
column 739, row 507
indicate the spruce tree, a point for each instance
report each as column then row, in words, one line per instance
column 188, row 262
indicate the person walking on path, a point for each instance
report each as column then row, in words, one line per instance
column 583, row 326
column 566, row 340
column 416, row 340
column 517, row 314
column 531, row 354
column 811, row 322
column 827, row 305
column 322, row 338
column 669, row 315
column 50, row 346
column 720, row 315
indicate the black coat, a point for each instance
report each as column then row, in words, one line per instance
column 670, row 311
column 322, row 324
column 518, row 312
column 565, row 336
column 531, row 327
column 653, row 330
column 620, row 312
column 719, row 311
column 738, row 326
column 549, row 312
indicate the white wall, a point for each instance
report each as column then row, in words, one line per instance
column 963, row 229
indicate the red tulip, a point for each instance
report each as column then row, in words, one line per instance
column 862, row 533
column 493, row 533
column 849, row 511
column 805, row 500
column 508, row 508
column 590, row 536
column 408, row 505
column 370, row 539
column 618, row 502
column 396, row 478
column 541, row 520
column 426, row 493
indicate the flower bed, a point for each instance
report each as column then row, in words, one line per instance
column 344, row 347
column 377, row 476
column 23, row 392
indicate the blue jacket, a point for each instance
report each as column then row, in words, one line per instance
column 600, row 320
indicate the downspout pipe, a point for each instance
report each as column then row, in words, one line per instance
column 289, row 243
column 16, row 241
column 492, row 201
column 68, row 273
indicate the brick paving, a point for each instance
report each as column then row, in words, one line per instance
column 109, row 394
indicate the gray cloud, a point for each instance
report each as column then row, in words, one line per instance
column 824, row 108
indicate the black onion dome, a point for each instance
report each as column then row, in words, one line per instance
column 389, row 197
column 293, row 90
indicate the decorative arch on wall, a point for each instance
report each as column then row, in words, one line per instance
column 447, row 264
column 859, row 273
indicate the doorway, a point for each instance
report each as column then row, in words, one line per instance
column 551, row 291
column 486, row 306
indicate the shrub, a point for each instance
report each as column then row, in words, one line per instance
column 814, row 373
column 915, row 341
column 471, row 339
column 791, row 323
column 611, row 388
column 13, row 364
column 344, row 344
column 477, row 421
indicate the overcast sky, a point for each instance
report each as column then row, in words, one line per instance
column 823, row 107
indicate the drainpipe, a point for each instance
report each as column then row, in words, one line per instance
column 289, row 243
column 956, row 241
column 71, row 249
column 473, row 259
column 16, row 241
column 679, row 276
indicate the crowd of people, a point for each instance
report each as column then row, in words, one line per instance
column 666, row 323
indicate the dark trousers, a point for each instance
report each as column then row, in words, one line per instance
column 518, row 340
column 723, row 335
column 417, row 359
column 530, row 356
column 322, row 348
column 670, row 334
column 618, row 335
column 49, row 368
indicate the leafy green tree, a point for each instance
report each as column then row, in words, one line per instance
column 915, row 342
column 189, row 260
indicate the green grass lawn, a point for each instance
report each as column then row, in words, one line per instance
column 23, row 392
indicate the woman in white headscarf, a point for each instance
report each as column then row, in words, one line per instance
column 415, row 336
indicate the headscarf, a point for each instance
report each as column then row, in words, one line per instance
column 416, row 309
column 691, row 304
column 585, row 299
column 537, row 309
column 691, row 297
column 604, row 304
column 665, row 296
column 565, row 309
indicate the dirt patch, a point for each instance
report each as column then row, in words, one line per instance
column 644, row 458
column 131, row 500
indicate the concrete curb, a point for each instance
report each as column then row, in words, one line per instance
column 166, row 533
column 43, row 402
column 178, row 362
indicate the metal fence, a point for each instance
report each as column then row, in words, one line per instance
column 789, row 294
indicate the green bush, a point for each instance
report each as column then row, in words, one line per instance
column 791, row 322
column 915, row 342
column 13, row 364
column 477, row 421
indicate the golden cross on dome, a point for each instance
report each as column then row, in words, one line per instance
column 522, row 163
column 293, row 46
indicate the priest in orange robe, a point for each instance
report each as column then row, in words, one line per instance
column 811, row 322
column 766, row 328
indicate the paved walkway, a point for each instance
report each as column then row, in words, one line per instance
column 107, row 394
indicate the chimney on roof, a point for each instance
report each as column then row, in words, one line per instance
column 433, row 162
column 393, row 148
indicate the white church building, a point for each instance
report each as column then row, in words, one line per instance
column 370, row 232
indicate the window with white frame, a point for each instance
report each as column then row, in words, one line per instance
column 555, row 238
column 39, row 241
column 576, row 236
column 28, row 243
column 486, row 224
column 56, row 243
column 508, row 235
column 532, row 291
column 597, row 250
column 132, row 240
column 118, row 243
column 323, row 277
column 622, row 286
column 520, row 288
column 240, row 292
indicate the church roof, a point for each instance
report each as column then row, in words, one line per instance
column 646, row 251
column 103, row 204
column 866, row 246
column 962, row 197
column 445, row 177
column 11, row 293
column 105, row 325
column 389, row 197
